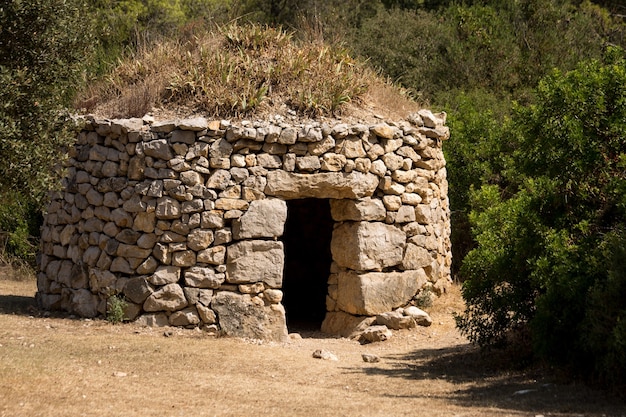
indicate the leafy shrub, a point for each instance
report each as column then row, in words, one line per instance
column 44, row 47
column 116, row 306
column 548, row 242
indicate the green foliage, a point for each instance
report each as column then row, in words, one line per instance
column 116, row 306
column 19, row 223
column 43, row 49
column 548, row 242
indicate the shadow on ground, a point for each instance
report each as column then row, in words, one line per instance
column 18, row 304
column 492, row 380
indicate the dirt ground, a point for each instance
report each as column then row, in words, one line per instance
column 63, row 366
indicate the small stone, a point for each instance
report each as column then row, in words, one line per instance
column 370, row 358
column 325, row 354
column 420, row 317
column 375, row 334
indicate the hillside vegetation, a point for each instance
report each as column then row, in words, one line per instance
column 242, row 70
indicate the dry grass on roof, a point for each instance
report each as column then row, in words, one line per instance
column 244, row 71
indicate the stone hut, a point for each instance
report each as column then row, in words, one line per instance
column 247, row 227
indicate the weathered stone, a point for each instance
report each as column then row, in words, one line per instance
column 383, row 130
column 168, row 298
column 213, row 256
column 91, row 255
column 130, row 311
column 199, row 239
column 351, row 147
column 231, row 204
column 212, row 220
column 147, row 240
column 375, row 334
column 255, row 261
column 132, row 251
column 264, row 218
column 203, row 277
column 345, row 325
column 273, row 296
column 395, row 320
column 207, row 315
column 423, row 214
column 308, row 163
column 333, row 162
column 241, row 316
column 184, row 258
column 101, row 281
column 321, row 147
column 165, row 275
column 419, row 316
column 153, row 320
column 370, row 358
column 323, row 185
column 325, row 355
column 137, row 290
column 405, row 214
column 269, row 161
column 159, row 149
column 288, row 136
column 120, row 264
column 416, row 257
column 254, row 288
column 191, row 178
column 364, row 246
column 429, row 119
column 377, row 292
column 84, row 303
column 121, row 218
column 220, row 179
column 167, row 208
column 194, row 124
column 186, row 317
column 365, row 209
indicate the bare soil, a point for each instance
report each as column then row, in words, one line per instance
column 64, row 366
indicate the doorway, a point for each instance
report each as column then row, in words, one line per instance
column 307, row 236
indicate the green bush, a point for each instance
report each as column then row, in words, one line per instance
column 548, row 243
column 116, row 306
column 44, row 47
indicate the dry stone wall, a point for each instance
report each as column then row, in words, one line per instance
column 184, row 219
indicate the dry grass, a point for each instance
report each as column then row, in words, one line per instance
column 239, row 71
column 66, row 367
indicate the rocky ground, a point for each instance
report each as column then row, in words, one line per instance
column 53, row 366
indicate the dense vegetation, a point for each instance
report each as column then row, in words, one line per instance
column 535, row 92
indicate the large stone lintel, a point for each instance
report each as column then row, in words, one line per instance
column 324, row 185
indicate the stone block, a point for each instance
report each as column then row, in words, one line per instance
column 345, row 325
column 137, row 290
column 365, row 209
column 213, row 256
column 377, row 292
column 203, row 277
column 366, row 246
column 168, row 298
column 165, row 275
column 240, row 316
column 323, row 185
column 264, row 218
column 255, row 261
column 199, row 239
column 185, row 317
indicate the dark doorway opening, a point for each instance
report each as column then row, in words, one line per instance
column 307, row 236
